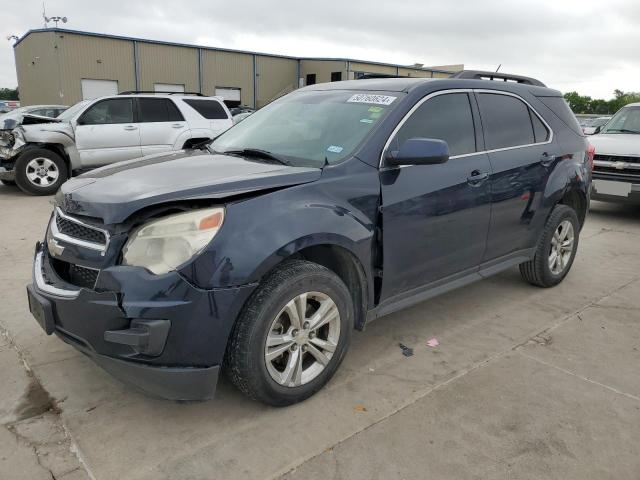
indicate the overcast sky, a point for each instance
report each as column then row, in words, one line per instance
column 583, row 45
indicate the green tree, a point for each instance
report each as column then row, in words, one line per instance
column 584, row 104
column 9, row 94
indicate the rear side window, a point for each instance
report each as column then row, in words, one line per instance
column 444, row 117
column 559, row 106
column 506, row 121
column 540, row 132
column 158, row 110
column 209, row 109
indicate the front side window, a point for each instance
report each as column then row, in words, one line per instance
column 445, row 117
column 627, row 120
column 111, row 111
column 507, row 121
column 312, row 127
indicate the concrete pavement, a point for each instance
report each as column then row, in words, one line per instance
column 526, row 383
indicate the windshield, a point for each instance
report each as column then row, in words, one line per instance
column 310, row 128
column 71, row 112
column 627, row 120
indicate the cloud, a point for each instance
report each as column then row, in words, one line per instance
column 584, row 45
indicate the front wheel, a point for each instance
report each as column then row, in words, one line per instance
column 556, row 249
column 291, row 335
column 40, row 171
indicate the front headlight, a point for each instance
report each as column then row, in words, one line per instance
column 163, row 245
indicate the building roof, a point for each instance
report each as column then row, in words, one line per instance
column 205, row 47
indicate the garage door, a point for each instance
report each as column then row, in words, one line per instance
column 168, row 87
column 98, row 88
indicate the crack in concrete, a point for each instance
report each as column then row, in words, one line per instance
column 35, row 403
column 419, row 395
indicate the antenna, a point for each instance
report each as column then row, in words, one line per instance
column 498, row 68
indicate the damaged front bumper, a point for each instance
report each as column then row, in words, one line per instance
column 156, row 332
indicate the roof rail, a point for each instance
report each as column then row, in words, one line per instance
column 495, row 76
column 369, row 76
column 134, row 92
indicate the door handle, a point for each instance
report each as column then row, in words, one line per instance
column 546, row 159
column 130, row 127
column 477, row 178
column 177, row 125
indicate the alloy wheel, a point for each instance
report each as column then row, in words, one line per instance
column 42, row 172
column 561, row 247
column 302, row 339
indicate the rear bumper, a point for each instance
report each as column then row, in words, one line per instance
column 179, row 361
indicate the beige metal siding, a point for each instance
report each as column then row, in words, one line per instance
column 168, row 64
column 227, row 69
column 322, row 69
column 275, row 77
column 37, row 72
column 372, row 68
column 96, row 58
column 412, row 72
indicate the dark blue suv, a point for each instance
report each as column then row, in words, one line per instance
column 259, row 253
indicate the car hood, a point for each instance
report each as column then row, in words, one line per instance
column 616, row 143
column 114, row 192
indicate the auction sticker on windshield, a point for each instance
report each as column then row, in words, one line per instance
column 369, row 98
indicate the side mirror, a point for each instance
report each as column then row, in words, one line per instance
column 597, row 130
column 420, row 151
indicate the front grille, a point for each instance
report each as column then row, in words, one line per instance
column 75, row 274
column 79, row 231
column 618, row 165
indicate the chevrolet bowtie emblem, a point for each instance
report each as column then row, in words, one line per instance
column 55, row 248
column 620, row 165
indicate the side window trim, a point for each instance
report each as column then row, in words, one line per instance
column 478, row 126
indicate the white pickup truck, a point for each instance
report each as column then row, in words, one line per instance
column 616, row 165
column 43, row 152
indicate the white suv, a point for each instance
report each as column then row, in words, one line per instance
column 40, row 156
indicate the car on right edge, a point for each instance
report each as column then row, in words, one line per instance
column 616, row 165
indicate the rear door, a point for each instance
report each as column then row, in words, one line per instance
column 435, row 218
column 521, row 152
column 107, row 132
column 161, row 124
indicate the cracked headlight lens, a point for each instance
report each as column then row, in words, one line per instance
column 164, row 244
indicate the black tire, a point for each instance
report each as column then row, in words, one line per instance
column 23, row 168
column 537, row 271
column 8, row 183
column 245, row 363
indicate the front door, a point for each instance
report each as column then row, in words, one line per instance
column 106, row 133
column 435, row 218
column 520, row 154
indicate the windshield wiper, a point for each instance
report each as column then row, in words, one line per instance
column 622, row 130
column 257, row 153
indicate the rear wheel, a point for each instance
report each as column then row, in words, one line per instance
column 556, row 249
column 292, row 334
column 40, row 171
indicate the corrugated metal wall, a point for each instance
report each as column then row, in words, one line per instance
column 47, row 74
column 275, row 77
column 168, row 64
column 228, row 69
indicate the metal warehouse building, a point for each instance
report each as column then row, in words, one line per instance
column 66, row 66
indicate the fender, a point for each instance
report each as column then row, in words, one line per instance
column 299, row 217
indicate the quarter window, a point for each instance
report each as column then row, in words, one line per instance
column 445, row 117
column 209, row 109
column 114, row 110
column 507, row 122
column 158, row 110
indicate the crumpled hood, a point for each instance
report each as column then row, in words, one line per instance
column 114, row 192
column 616, row 144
